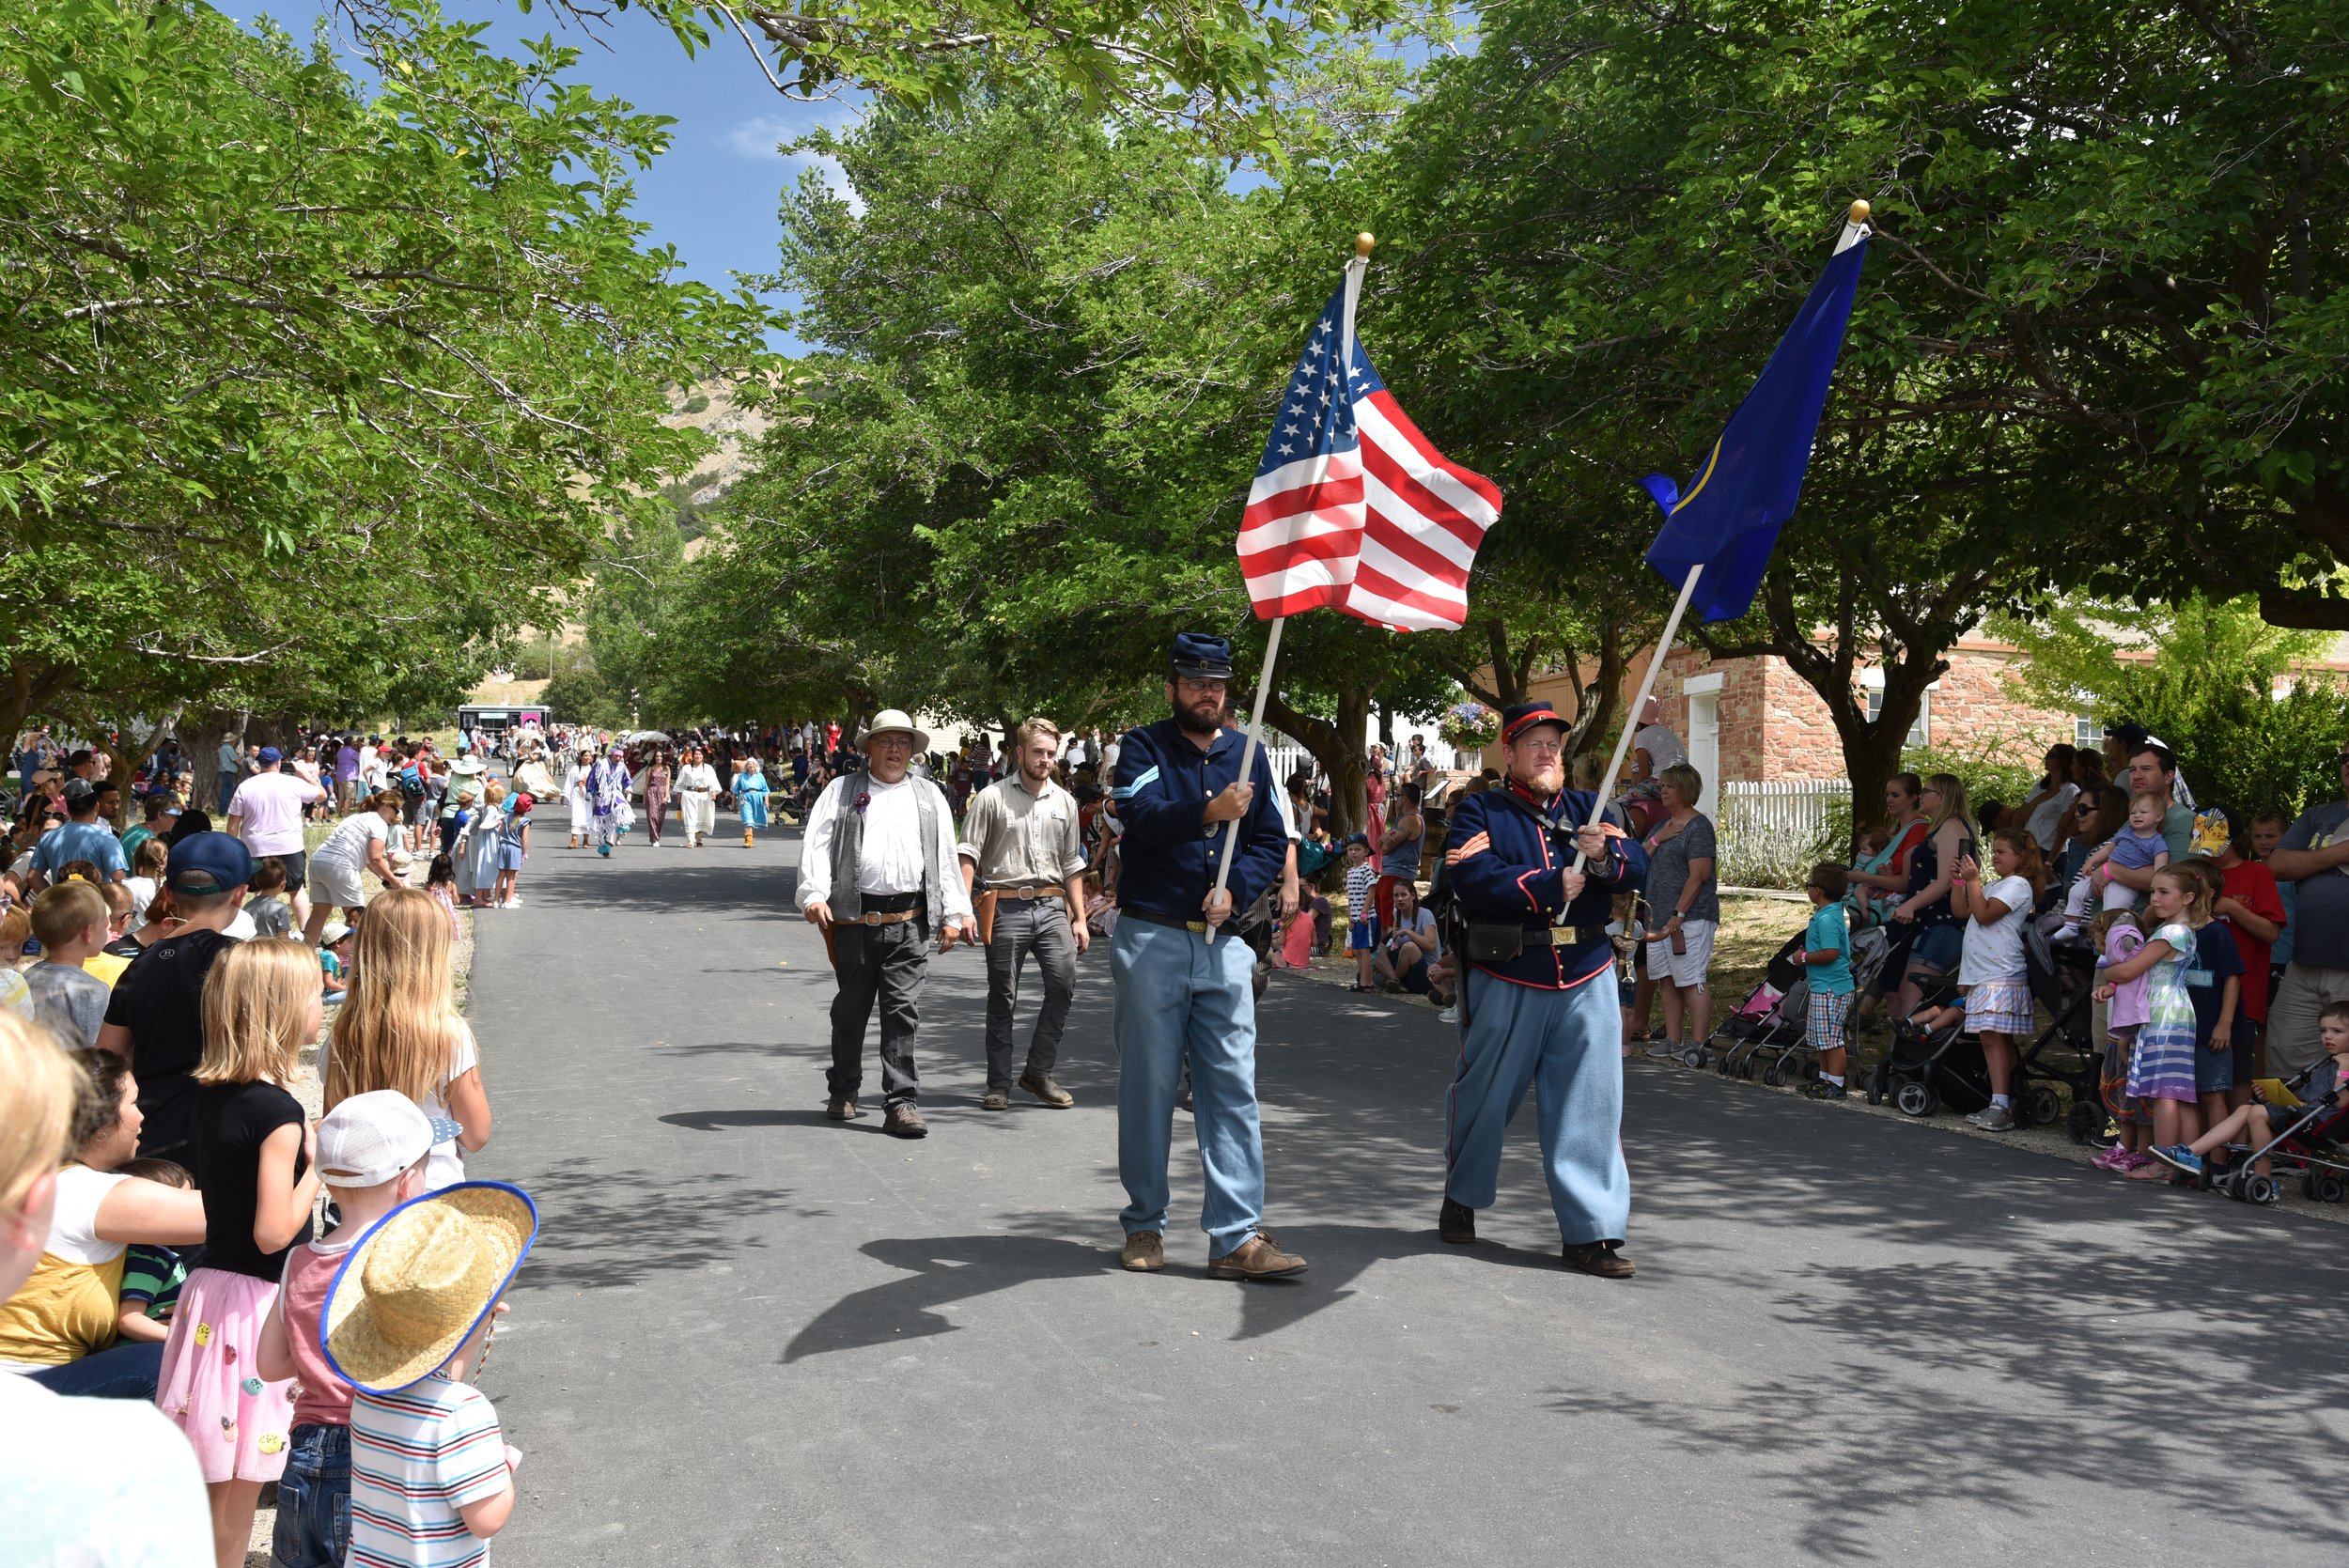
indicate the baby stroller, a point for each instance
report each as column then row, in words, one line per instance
column 2307, row 1135
column 1774, row 1023
column 2066, row 1055
column 1770, row 1017
column 1926, row 1070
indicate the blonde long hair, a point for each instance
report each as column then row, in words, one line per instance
column 257, row 1011
column 39, row 1086
column 1953, row 792
column 394, row 1030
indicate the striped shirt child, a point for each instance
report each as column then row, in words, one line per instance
column 417, row 1456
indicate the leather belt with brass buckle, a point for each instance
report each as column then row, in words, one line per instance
column 896, row 918
column 1034, row 892
column 1565, row 935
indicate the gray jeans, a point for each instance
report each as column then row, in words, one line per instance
column 2293, row 1013
column 885, row 964
column 1026, row 926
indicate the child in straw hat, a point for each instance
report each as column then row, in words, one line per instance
column 406, row 1320
column 371, row 1155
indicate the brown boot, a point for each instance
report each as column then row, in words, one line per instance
column 903, row 1121
column 746, row 838
column 1144, row 1253
column 1043, row 1088
column 1602, row 1258
column 1257, row 1258
column 841, row 1108
column 995, row 1099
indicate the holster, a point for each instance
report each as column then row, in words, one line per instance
column 984, row 907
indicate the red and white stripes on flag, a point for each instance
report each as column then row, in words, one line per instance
column 1353, row 509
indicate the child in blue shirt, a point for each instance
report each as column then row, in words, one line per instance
column 1825, row 958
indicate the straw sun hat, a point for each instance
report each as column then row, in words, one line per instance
column 420, row 1280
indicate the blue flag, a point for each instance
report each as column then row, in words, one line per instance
column 1728, row 522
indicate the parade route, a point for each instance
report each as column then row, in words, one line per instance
column 750, row 1336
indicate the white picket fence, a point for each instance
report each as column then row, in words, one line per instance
column 1771, row 831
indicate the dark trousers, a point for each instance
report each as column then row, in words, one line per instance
column 885, row 964
column 1025, row 927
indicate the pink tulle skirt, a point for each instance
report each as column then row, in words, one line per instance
column 209, row 1385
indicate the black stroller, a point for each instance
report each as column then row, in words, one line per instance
column 1769, row 1020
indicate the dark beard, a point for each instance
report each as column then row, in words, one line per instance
column 1189, row 723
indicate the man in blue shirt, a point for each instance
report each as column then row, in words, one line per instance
column 1185, row 985
column 1538, row 1010
column 83, row 838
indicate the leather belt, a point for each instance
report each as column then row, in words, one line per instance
column 1031, row 892
column 1151, row 917
column 1565, row 935
column 897, row 917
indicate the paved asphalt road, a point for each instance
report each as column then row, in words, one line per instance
column 748, row 1335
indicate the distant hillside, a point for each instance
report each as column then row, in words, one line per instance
column 710, row 408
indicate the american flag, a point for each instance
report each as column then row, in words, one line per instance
column 1353, row 509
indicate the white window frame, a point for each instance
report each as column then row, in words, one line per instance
column 1920, row 733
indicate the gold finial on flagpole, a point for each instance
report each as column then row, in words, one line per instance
column 1363, row 242
column 1859, row 210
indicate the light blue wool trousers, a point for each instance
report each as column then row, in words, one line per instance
column 1177, row 996
column 1567, row 1046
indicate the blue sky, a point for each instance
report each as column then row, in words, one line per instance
column 713, row 195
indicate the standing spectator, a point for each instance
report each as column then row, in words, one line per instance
column 83, row 838
column 231, row 760
column 1825, row 958
column 266, row 814
column 1399, row 847
column 347, row 773
column 155, row 1017
column 161, row 810
column 1934, row 944
column 1682, row 889
column 1992, row 972
column 2044, row 812
column 1361, row 912
column 2253, row 909
column 2313, row 860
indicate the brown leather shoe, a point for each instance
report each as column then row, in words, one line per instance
column 1144, row 1253
column 1257, row 1258
column 841, row 1108
column 995, row 1099
column 1602, row 1258
column 1044, row 1089
column 903, row 1121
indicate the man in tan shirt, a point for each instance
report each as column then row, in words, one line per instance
column 1022, row 852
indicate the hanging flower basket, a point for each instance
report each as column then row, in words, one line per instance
column 1469, row 726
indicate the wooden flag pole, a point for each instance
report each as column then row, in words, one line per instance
column 1354, row 271
column 1647, row 689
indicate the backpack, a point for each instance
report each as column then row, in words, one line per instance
column 411, row 784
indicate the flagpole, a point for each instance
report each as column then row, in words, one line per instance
column 1354, row 271
column 1647, row 689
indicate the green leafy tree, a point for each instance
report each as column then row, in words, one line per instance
column 2234, row 696
column 311, row 396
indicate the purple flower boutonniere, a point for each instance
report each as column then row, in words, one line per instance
column 863, row 802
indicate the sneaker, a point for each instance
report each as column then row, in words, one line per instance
column 2132, row 1163
column 1450, row 1015
column 1820, row 1089
column 1665, row 1051
column 2110, row 1159
column 1994, row 1118
column 2179, row 1157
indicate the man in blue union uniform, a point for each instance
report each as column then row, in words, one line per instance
column 1179, row 995
column 1537, row 996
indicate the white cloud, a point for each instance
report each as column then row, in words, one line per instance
column 761, row 136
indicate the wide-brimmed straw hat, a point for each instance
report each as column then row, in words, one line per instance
column 418, row 1284
column 892, row 720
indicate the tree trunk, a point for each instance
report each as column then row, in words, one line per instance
column 123, row 761
column 1594, row 721
column 25, row 692
column 205, row 737
column 1337, row 747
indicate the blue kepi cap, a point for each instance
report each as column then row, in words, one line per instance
column 1202, row 656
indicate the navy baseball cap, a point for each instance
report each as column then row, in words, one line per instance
column 208, row 863
column 271, row 754
column 1201, row 656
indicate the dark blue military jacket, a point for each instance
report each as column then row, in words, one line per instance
column 1169, row 851
column 1521, row 878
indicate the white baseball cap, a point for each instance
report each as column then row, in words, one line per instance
column 370, row 1139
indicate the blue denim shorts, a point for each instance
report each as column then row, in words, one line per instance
column 2214, row 1070
column 314, row 1499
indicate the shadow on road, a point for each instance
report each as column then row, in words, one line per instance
column 942, row 1270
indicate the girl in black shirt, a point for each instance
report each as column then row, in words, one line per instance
column 254, row 1157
